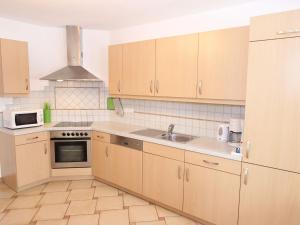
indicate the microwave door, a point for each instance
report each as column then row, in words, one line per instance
column 25, row 119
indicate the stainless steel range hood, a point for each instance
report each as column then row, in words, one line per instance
column 74, row 71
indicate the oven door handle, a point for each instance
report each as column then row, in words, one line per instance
column 69, row 139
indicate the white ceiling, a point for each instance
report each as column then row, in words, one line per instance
column 105, row 14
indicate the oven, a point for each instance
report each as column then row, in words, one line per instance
column 70, row 149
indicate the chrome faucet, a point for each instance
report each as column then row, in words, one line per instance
column 170, row 129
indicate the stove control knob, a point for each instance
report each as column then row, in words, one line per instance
column 86, row 134
column 72, row 134
column 77, row 134
column 63, row 134
column 81, row 134
column 68, row 134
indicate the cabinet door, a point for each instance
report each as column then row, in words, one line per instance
column 101, row 160
column 127, row 167
column 115, row 68
column 211, row 195
column 273, row 104
column 163, row 180
column 138, row 68
column 33, row 162
column 222, row 64
column 269, row 196
column 14, row 67
column 176, row 66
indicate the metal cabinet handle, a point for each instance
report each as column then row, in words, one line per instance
column 27, row 85
column 45, row 149
column 151, row 89
column 30, row 139
column 200, row 87
column 290, row 31
column 157, row 86
column 248, row 148
column 246, row 176
column 100, row 137
column 211, row 163
column 187, row 174
column 179, row 173
column 106, row 152
column 119, row 86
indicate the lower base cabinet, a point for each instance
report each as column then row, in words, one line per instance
column 32, row 162
column 163, row 180
column 211, row 195
column 269, row 196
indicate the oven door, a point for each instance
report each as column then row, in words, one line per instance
column 70, row 153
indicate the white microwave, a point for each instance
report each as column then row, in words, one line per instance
column 15, row 119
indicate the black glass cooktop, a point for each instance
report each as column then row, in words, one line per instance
column 74, row 124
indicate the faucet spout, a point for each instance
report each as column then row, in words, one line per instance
column 170, row 129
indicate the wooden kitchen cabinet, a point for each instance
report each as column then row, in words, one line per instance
column 25, row 159
column 176, row 66
column 272, row 115
column 211, row 195
column 127, row 167
column 277, row 25
column 269, row 196
column 138, row 68
column 115, row 68
column 14, row 68
column 163, row 180
column 33, row 162
column 222, row 64
column 101, row 162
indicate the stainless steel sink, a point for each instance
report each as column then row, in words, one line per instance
column 162, row 135
column 182, row 138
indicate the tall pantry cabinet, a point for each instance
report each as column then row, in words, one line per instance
column 271, row 165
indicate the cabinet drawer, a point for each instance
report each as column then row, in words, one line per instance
column 217, row 163
column 279, row 25
column 164, row 151
column 104, row 137
column 31, row 138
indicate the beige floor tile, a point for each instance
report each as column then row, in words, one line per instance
column 51, row 212
column 4, row 202
column 110, row 202
column 33, row 191
column 2, row 215
column 52, row 222
column 54, row 198
column 130, row 200
column 142, row 213
column 6, row 192
column 114, row 217
column 81, row 207
column 152, row 223
column 84, row 220
column 81, row 194
column 105, row 191
column 80, row 184
column 18, row 216
column 57, row 186
column 179, row 220
column 162, row 212
column 25, row 202
column 98, row 184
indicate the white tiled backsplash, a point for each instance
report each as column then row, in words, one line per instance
column 86, row 101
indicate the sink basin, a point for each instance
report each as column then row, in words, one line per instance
column 182, row 138
column 162, row 135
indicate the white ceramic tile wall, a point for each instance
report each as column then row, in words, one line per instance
column 190, row 118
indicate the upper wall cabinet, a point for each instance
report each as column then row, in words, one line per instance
column 14, row 69
column 279, row 25
column 138, row 68
column 222, row 64
column 115, row 68
column 176, row 66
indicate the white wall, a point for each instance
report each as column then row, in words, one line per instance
column 227, row 17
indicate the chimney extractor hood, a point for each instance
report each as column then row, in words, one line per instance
column 74, row 71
